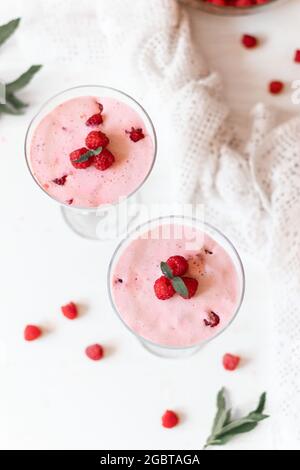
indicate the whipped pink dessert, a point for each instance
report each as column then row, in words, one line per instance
column 214, row 286
column 102, row 178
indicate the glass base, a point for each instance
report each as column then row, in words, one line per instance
column 169, row 353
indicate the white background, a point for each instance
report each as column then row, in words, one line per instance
column 51, row 395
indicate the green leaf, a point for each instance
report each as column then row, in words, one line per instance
column 8, row 109
column 6, row 30
column 218, row 441
column 166, row 270
column 221, row 412
column 180, row 287
column 15, row 102
column 87, row 155
column 261, row 404
column 23, row 80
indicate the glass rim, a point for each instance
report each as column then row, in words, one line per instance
column 102, row 207
column 194, row 220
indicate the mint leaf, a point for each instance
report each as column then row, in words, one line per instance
column 166, row 270
column 23, row 80
column 87, row 155
column 6, row 30
column 180, row 286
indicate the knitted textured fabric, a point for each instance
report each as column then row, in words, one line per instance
column 251, row 190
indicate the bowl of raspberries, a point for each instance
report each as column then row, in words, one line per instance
column 231, row 7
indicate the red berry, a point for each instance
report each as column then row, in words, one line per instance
column 178, row 265
column 276, row 87
column 136, row 134
column 70, row 201
column 249, row 41
column 104, row 160
column 219, row 3
column 213, row 320
column 243, row 3
column 169, row 419
column 69, row 311
column 94, row 352
column 230, row 362
column 60, row 181
column 76, row 155
column 297, row 55
column 95, row 120
column 32, row 332
column 163, row 288
column 191, row 285
column 96, row 139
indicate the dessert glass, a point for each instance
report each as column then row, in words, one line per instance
column 85, row 221
column 161, row 349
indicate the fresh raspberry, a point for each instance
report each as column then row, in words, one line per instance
column 136, row 134
column 60, row 181
column 275, row 87
column 213, row 320
column 249, row 41
column 94, row 120
column 76, row 155
column 32, row 332
column 96, row 139
column 230, row 362
column 191, row 285
column 104, row 160
column 297, row 55
column 163, row 288
column 169, row 419
column 95, row 352
column 219, row 3
column 70, row 311
column 243, row 3
column 178, row 265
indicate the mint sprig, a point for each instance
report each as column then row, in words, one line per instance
column 13, row 105
column 224, row 429
column 87, row 155
column 176, row 281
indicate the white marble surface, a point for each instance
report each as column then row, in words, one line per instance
column 51, row 396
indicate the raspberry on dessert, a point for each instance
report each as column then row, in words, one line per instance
column 70, row 311
column 249, row 41
column 95, row 352
column 178, row 265
column 94, row 120
column 76, row 156
column 230, row 362
column 276, row 87
column 70, row 201
column 191, row 285
column 100, row 106
column 104, row 160
column 297, row 55
column 169, row 419
column 96, row 139
column 163, row 288
column 32, row 332
column 136, row 134
column 213, row 319
column 60, row 181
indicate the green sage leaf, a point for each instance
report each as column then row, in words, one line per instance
column 23, row 80
column 6, row 30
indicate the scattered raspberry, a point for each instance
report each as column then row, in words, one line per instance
column 163, row 288
column 178, row 265
column 70, row 311
column 136, row 134
column 297, row 55
column 230, row 362
column 276, row 87
column 96, row 139
column 70, row 201
column 243, row 3
column 213, row 320
column 94, row 120
column 76, row 155
column 60, row 181
column 169, row 419
column 249, row 41
column 95, row 352
column 32, row 332
column 192, row 286
column 104, row 160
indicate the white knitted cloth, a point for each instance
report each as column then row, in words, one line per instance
column 250, row 190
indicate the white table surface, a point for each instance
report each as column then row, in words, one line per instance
column 51, row 396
